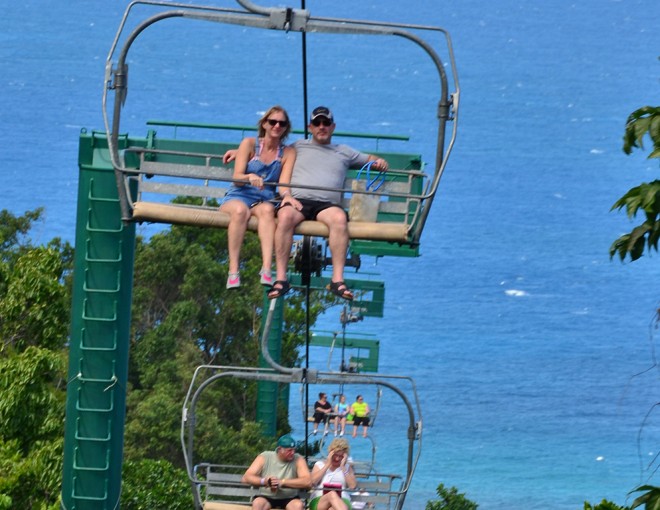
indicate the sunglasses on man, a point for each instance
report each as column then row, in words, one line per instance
column 318, row 122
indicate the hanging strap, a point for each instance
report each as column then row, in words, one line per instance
column 372, row 184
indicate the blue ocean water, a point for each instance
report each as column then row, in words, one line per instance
column 528, row 345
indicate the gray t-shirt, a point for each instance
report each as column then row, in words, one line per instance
column 273, row 466
column 323, row 165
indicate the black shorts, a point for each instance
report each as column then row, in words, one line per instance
column 357, row 420
column 279, row 502
column 311, row 208
column 321, row 417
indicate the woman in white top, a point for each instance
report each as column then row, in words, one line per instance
column 331, row 475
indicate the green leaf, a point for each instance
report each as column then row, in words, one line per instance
column 640, row 122
column 650, row 500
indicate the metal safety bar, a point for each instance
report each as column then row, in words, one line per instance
column 285, row 19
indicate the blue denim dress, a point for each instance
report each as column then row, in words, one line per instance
column 270, row 172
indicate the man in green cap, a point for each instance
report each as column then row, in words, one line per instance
column 280, row 475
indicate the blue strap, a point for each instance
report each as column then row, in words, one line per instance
column 371, row 183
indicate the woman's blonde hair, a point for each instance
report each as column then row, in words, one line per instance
column 339, row 443
column 265, row 116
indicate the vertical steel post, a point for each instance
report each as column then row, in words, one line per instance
column 267, row 391
column 98, row 351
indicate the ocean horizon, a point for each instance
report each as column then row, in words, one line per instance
column 532, row 351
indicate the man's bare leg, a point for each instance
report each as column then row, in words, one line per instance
column 335, row 219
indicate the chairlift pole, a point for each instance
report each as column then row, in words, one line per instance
column 304, row 74
column 344, row 367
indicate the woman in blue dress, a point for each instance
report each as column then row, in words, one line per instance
column 261, row 163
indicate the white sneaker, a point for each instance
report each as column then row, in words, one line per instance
column 233, row 280
column 266, row 278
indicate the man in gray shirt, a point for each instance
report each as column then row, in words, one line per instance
column 319, row 163
column 280, row 476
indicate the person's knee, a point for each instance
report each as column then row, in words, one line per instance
column 336, row 502
column 295, row 504
column 266, row 219
column 260, row 504
column 333, row 217
column 264, row 210
column 288, row 218
column 239, row 212
column 337, row 230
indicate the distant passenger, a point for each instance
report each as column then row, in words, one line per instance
column 322, row 412
column 259, row 161
column 331, row 477
column 341, row 411
column 280, row 475
column 360, row 412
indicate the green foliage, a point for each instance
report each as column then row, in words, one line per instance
column 5, row 502
column 31, row 401
column 233, row 446
column 149, row 484
column 604, row 505
column 644, row 198
column 152, row 430
column 34, row 308
column 180, row 292
column 183, row 317
column 34, row 321
column 14, row 231
column 450, row 499
column 640, row 122
column 650, row 500
column 31, row 481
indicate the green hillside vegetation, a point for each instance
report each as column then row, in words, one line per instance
column 182, row 317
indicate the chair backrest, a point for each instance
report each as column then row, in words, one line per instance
column 374, row 491
column 224, row 485
column 157, row 176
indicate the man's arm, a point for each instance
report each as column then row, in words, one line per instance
column 229, row 156
column 285, row 178
column 288, row 159
column 304, row 479
column 379, row 163
column 253, row 474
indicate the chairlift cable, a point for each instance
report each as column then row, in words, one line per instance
column 304, row 74
column 306, row 279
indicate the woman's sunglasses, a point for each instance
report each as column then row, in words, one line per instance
column 318, row 122
column 273, row 122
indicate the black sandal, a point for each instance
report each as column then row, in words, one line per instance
column 340, row 289
column 279, row 288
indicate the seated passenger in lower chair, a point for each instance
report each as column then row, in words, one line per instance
column 280, row 475
column 331, row 477
column 322, row 412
